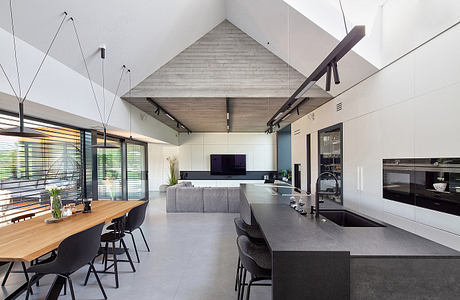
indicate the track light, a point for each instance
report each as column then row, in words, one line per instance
column 279, row 126
column 336, row 73
column 328, row 78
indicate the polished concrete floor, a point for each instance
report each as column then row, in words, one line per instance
column 193, row 256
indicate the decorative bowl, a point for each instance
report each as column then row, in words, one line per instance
column 440, row 186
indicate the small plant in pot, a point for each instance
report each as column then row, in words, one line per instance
column 172, row 180
column 55, row 200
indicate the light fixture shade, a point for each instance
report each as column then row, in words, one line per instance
column 25, row 132
column 105, row 146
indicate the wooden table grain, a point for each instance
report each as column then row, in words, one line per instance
column 30, row 239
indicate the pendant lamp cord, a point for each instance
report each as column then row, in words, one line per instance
column 130, row 131
column 45, row 56
column 343, row 16
column 116, row 93
column 86, row 68
column 14, row 47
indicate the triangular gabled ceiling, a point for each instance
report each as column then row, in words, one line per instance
column 225, row 62
column 225, row 71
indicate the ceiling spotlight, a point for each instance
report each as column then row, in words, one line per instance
column 278, row 125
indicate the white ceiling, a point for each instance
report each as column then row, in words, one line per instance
column 146, row 34
column 141, row 34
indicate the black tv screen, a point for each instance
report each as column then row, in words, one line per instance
column 228, row 164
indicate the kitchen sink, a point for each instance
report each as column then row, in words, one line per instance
column 347, row 218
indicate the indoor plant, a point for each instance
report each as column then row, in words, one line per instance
column 55, row 200
column 172, row 170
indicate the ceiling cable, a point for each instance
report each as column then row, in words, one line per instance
column 86, row 68
column 103, row 83
column 343, row 15
column 15, row 51
column 116, row 93
column 45, row 56
column 9, row 82
column 129, row 80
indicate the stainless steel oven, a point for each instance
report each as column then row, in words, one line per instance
column 432, row 183
column 437, row 184
column 398, row 180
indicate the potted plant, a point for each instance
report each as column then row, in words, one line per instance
column 172, row 180
column 55, row 200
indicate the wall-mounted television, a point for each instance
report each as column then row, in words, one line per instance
column 228, row 164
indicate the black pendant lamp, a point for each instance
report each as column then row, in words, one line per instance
column 21, row 130
column 104, row 144
column 104, row 119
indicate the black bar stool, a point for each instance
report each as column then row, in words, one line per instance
column 252, row 232
column 255, row 259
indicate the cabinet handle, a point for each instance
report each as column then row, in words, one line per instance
column 362, row 179
column 357, row 178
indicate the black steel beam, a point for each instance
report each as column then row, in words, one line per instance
column 161, row 109
column 350, row 40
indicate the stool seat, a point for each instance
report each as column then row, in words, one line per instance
column 260, row 254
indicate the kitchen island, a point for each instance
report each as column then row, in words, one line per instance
column 314, row 258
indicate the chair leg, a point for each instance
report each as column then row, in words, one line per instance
column 87, row 274
column 72, row 293
column 106, row 254
column 249, row 289
column 237, row 273
column 145, row 241
column 240, row 279
column 242, row 285
column 7, row 274
column 135, row 248
column 127, row 254
column 29, row 285
column 115, row 265
column 91, row 266
column 65, row 287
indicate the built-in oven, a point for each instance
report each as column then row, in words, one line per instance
column 432, row 183
column 398, row 180
column 437, row 184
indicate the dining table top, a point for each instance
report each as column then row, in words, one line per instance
column 30, row 239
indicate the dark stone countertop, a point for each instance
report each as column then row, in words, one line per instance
column 287, row 230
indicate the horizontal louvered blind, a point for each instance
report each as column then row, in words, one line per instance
column 28, row 165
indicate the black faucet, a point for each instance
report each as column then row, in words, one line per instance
column 319, row 192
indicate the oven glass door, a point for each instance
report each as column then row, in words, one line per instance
column 438, row 189
column 397, row 185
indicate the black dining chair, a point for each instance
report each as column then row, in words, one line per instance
column 73, row 253
column 113, row 237
column 135, row 219
column 255, row 259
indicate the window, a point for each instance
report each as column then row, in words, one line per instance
column 109, row 171
column 29, row 164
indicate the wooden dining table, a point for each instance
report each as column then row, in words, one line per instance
column 28, row 240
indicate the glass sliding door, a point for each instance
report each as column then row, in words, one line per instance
column 29, row 164
column 109, row 171
column 136, row 169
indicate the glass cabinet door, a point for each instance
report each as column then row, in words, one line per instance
column 330, row 158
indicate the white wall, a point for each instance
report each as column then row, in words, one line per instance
column 158, row 165
column 194, row 150
column 409, row 109
column 63, row 95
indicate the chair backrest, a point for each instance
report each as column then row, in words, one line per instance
column 79, row 249
column 244, row 245
column 136, row 216
column 239, row 227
